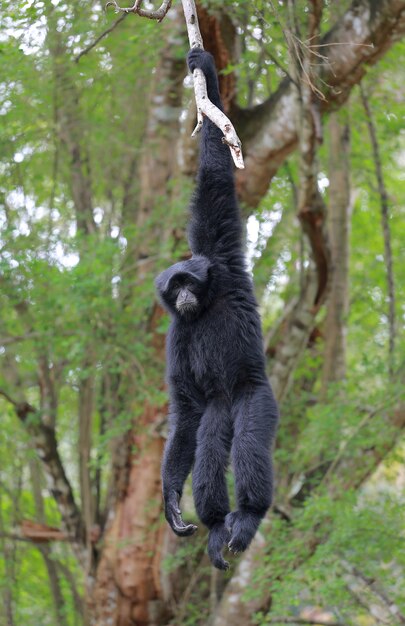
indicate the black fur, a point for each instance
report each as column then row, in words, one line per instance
column 221, row 402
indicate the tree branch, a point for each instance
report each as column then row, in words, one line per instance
column 379, row 592
column 311, row 212
column 44, row 441
column 152, row 14
column 204, row 105
column 361, row 36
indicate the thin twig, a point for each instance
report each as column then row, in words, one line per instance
column 8, row 398
column 302, row 620
column 363, row 422
column 183, row 604
column 272, row 58
column 378, row 591
column 100, row 37
column 297, row 44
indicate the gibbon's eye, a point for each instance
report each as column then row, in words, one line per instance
column 175, row 285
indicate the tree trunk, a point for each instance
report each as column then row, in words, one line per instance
column 268, row 131
column 384, row 202
column 46, row 550
column 85, row 419
column 127, row 589
column 311, row 213
column 334, row 367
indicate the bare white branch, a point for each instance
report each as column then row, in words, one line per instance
column 204, row 105
column 152, row 14
column 193, row 28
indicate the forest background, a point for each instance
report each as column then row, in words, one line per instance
column 96, row 170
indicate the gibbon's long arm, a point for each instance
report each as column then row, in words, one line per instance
column 215, row 229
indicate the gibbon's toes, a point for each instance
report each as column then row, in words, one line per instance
column 239, row 524
column 239, row 543
column 217, row 539
column 220, row 563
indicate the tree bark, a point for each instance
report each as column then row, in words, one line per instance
column 45, row 444
column 231, row 609
column 127, row 588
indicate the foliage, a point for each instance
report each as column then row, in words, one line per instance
column 83, row 302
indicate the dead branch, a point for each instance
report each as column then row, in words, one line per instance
column 41, row 533
column 204, row 105
column 151, row 14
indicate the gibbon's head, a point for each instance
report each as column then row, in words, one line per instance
column 184, row 288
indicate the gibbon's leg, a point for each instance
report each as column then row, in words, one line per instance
column 255, row 420
column 214, row 439
column 178, row 458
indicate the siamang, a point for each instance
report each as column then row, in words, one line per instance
column 221, row 403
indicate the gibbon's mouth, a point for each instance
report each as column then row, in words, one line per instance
column 186, row 307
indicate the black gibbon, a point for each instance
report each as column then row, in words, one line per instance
column 221, row 403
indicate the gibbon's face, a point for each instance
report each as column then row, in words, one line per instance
column 183, row 294
column 183, row 288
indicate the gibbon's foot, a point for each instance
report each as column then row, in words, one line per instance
column 242, row 526
column 218, row 538
column 173, row 516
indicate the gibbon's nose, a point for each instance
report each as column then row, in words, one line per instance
column 185, row 297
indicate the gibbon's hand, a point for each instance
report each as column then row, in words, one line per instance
column 173, row 516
